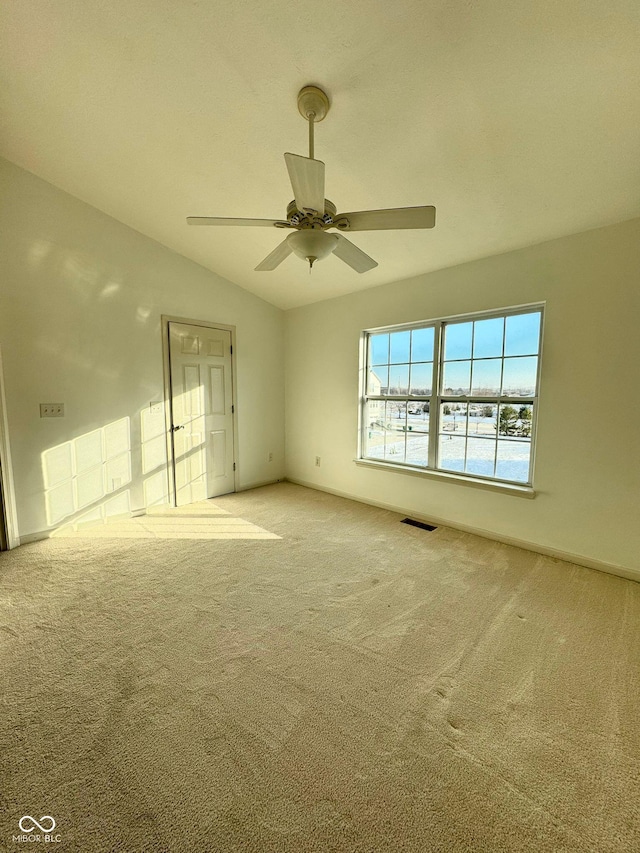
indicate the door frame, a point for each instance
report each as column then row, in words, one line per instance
column 168, row 415
column 9, row 537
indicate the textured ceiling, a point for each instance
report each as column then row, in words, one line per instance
column 519, row 121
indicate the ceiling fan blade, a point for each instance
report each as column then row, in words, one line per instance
column 387, row 220
column 307, row 180
column 352, row 255
column 281, row 251
column 220, row 220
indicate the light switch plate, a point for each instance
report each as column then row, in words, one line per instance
column 155, row 407
column 51, row 410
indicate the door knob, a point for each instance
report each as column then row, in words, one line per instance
column 176, row 428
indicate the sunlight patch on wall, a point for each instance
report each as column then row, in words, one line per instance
column 39, row 252
column 81, row 473
column 110, row 289
column 154, row 456
column 80, row 270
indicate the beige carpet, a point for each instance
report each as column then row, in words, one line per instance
column 327, row 680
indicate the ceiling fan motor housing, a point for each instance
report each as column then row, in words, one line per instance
column 300, row 217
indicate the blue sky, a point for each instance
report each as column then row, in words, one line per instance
column 473, row 352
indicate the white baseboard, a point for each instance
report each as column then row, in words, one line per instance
column 578, row 559
column 248, row 486
column 26, row 538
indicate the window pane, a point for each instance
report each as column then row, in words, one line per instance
column 422, row 345
column 421, row 376
column 513, row 460
column 452, row 452
column 418, row 417
column 385, row 430
column 487, row 337
column 399, row 379
column 481, row 454
column 525, row 420
column 375, row 447
column 483, row 419
column 522, row 334
column 378, row 380
column 457, row 377
column 519, row 377
column 396, row 422
column 417, row 452
column 400, row 342
column 374, row 433
column 486, row 377
column 460, row 412
column 453, row 418
column 508, row 420
column 516, row 420
column 375, row 414
column 396, row 416
column 457, row 340
column 417, row 429
column 379, row 349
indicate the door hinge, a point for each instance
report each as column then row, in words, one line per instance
column 234, row 466
column 233, row 410
column 231, row 349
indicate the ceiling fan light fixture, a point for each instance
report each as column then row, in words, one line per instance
column 312, row 244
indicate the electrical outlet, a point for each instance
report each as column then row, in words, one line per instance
column 270, row 457
column 51, row 410
column 317, row 461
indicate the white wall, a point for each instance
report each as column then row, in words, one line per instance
column 81, row 297
column 588, row 454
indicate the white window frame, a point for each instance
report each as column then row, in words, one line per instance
column 436, row 399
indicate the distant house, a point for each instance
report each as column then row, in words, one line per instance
column 376, row 407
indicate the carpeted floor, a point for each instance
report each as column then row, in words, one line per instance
column 283, row 670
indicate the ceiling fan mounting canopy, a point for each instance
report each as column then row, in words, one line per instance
column 313, row 104
column 311, row 215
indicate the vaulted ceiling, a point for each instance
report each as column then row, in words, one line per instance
column 519, row 121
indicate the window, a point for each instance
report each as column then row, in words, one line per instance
column 456, row 395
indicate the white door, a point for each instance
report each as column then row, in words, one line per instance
column 202, row 412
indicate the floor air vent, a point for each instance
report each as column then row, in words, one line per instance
column 421, row 524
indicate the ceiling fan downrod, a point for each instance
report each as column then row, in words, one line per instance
column 312, row 118
column 313, row 105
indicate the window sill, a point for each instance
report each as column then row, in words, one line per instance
column 459, row 479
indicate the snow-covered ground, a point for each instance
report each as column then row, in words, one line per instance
column 475, row 453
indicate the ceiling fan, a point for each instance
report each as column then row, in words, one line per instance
column 310, row 215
